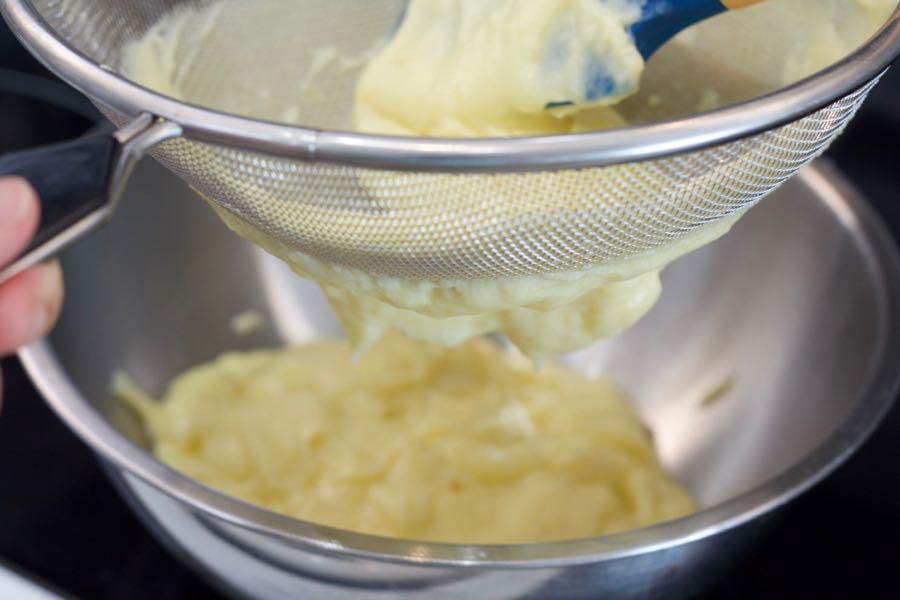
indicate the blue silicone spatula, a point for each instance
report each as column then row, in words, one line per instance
column 660, row 21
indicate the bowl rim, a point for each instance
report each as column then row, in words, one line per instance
column 882, row 258
column 639, row 142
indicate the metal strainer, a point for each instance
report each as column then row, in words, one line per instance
column 430, row 208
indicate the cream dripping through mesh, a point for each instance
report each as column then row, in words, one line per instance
column 552, row 259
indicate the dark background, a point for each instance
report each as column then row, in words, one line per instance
column 62, row 522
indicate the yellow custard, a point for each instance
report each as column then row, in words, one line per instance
column 416, row 441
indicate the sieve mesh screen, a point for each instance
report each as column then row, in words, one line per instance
column 437, row 225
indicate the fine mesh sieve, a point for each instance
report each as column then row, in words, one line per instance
column 443, row 209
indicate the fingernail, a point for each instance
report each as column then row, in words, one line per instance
column 50, row 298
column 15, row 199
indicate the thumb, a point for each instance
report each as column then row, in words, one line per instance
column 19, row 217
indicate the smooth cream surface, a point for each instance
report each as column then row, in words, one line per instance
column 416, row 441
column 480, row 67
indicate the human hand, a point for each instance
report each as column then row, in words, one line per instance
column 30, row 301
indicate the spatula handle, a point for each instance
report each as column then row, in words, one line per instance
column 736, row 4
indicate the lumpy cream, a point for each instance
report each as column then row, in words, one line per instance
column 491, row 68
column 416, row 441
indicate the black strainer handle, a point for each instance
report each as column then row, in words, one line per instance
column 80, row 183
column 72, row 180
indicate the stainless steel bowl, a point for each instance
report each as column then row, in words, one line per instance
column 798, row 342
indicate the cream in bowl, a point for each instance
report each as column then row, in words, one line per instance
column 465, row 445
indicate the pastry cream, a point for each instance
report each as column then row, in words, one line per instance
column 543, row 316
column 416, row 441
column 490, row 67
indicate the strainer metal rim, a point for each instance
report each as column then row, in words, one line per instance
column 603, row 148
column 876, row 398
